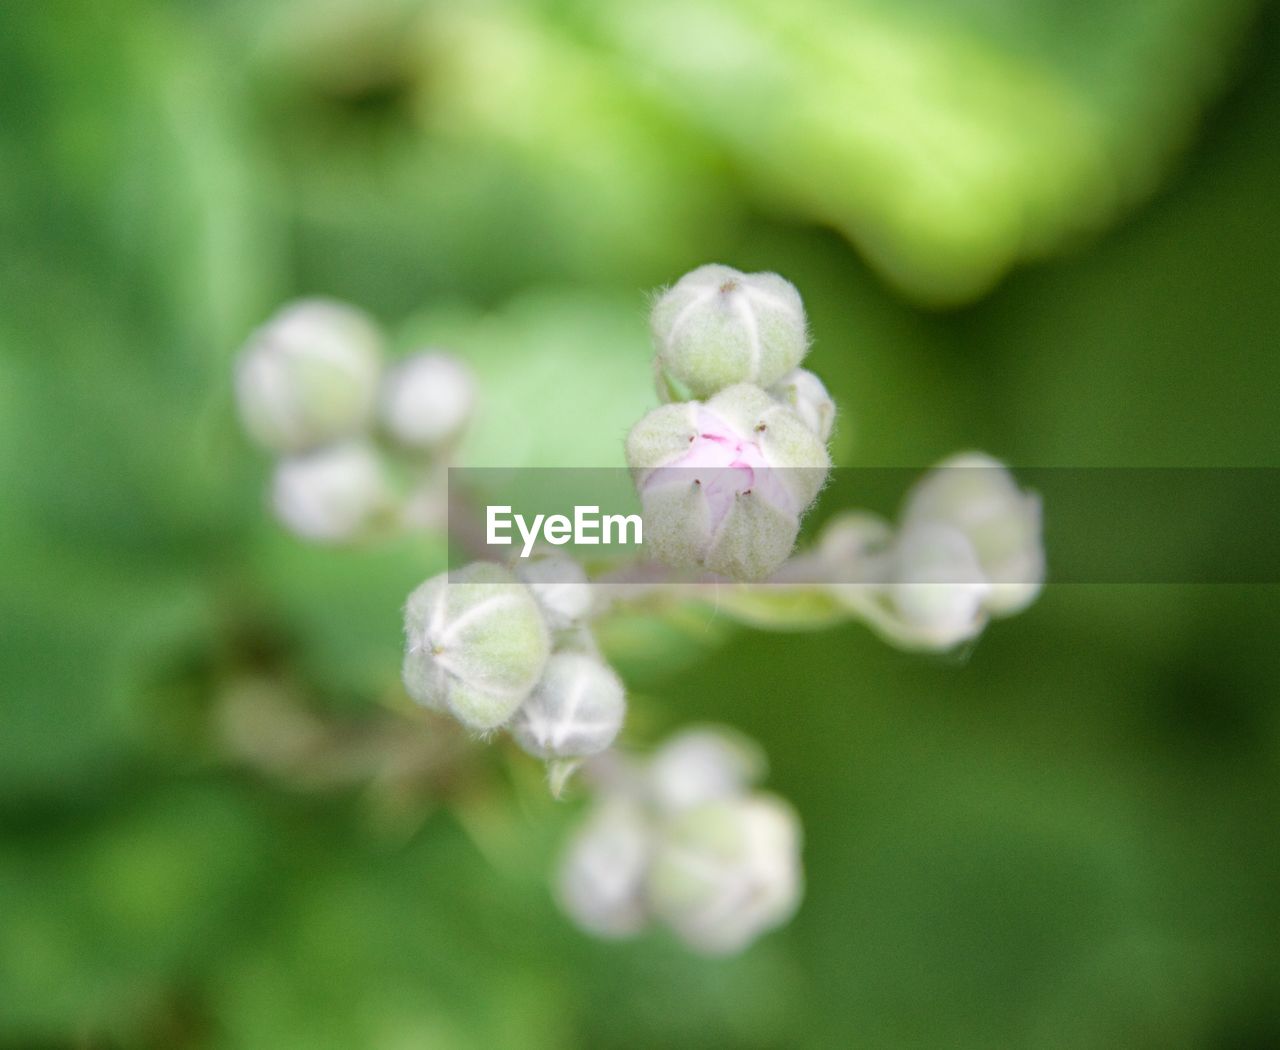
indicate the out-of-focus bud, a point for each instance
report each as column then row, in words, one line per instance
column 725, row 872
column 938, row 587
column 723, row 484
column 601, row 879
column 977, row 495
column 717, row 326
column 426, row 400
column 559, row 583
column 309, row 376
column 475, row 645
column 804, row 393
column 576, row 709
column 855, row 545
column 681, row 839
column 333, row 494
column 704, row 764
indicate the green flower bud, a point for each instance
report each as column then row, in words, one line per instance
column 309, row 376
column 559, row 583
column 726, row 871
column 723, row 484
column 475, row 645
column 601, row 879
column 977, row 495
column 576, row 709
column 426, row 400
column 804, row 393
column 717, row 326
column 333, row 494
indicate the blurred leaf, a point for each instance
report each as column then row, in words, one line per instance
column 343, row 607
column 133, row 256
column 101, row 921
column 948, row 142
column 562, row 375
column 467, row 149
column 403, row 948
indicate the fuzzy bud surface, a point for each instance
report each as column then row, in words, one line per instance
column 717, row 326
column 475, row 645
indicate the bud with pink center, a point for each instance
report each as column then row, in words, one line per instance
column 723, row 484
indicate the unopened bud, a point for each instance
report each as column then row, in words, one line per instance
column 723, row 484
column 703, row 765
column 559, row 583
column 333, row 494
column 938, row 588
column 727, row 871
column 576, row 709
column 804, row 393
column 717, row 326
column 977, row 495
column 475, row 645
column 853, row 543
column 426, row 400
column 308, row 376
column 601, row 879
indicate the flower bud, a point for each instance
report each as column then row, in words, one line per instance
column 804, row 393
column 853, row 543
column 725, row 872
column 601, row 878
column 938, row 588
column 717, row 326
column 308, row 376
column 703, row 765
column 475, row 645
column 977, row 495
column 723, row 484
column 333, row 494
column 576, row 709
column 559, row 583
column 426, row 400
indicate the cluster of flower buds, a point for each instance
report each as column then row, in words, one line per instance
column 684, row 840
column 499, row 650
column 313, row 390
column 969, row 547
column 725, row 468
column 728, row 467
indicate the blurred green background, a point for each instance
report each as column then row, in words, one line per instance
column 1045, row 228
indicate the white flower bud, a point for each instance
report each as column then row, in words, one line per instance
column 806, row 395
column 308, row 376
column 333, row 494
column 977, row 495
column 559, row 583
column 426, row 400
column 853, row 543
column 938, row 588
column 601, row 878
column 703, row 765
column 475, row 644
column 727, row 871
column 717, row 326
column 576, row 709
column 723, row 484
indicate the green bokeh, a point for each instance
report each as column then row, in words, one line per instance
column 1047, row 230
